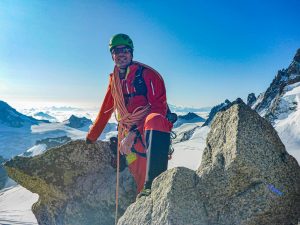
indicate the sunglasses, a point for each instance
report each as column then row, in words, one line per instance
column 116, row 51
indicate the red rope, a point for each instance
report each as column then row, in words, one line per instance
column 126, row 121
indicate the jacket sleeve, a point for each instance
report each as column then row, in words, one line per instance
column 156, row 92
column 104, row 115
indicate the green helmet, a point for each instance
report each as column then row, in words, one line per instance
column 120, row 39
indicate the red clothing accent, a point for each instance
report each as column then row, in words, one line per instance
column 156, row 121
column 104, row 115
column 156, row 96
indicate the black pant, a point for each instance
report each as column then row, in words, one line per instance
column 157, row 143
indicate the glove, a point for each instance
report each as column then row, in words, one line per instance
column 114, row 162
column 114, row 150
column 113, row 145
column 127, row 143
column 88, row 141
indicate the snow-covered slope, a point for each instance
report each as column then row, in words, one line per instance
column 280, row 104
column 271, row 103
column 15, row 206
column 17, row 137
column 288, row 122
column 189, row 153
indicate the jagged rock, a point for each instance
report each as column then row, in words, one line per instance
column 270, row 104
column 45, row 144
column 294, row 68
column 174, row 200
column 75, row 182
column 246, row 177
column 184, row 132
column 214, row 111
column 3, row 174
column 251, row 99
column 53, row 142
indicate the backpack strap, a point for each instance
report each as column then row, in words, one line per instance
column 138, row 83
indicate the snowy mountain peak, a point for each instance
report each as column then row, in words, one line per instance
column 215, row 110
column 280, row 104
column 44, row 116
column 189, row 116
column 297, row 56
column 78, row 122
column 294, row 67
column 12, row 118
column 270, row 101
column 251, row 99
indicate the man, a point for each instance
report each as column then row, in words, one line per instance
column 137, row 93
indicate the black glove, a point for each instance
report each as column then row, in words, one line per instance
column 114, row 162
column 172, row 117
column 114, row 150
column 113, row 144
column 88, row 141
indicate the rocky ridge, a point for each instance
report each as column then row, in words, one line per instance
column 271, row 103
column 246, row 177
column 214, row 111
column 75, row 183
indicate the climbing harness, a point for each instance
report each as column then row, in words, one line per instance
column 128, row 121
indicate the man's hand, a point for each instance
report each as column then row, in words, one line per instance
column 88, row 141
column 127, row 143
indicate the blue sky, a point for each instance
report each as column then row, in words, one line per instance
column 56, row 52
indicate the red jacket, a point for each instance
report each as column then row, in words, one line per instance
column 156, row 97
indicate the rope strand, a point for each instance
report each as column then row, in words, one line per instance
column 126, row 121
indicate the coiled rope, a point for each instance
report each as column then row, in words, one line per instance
column 125, row 120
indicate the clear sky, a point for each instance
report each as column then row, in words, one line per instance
column 56, row 52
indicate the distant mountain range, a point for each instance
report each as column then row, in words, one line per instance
column 183, row 109
column 44, row 116
column 188, row 118
column 12, row 118
column 19, row 132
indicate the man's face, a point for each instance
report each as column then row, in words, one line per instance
column 122, row 56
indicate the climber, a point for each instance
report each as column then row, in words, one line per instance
column 137, row 94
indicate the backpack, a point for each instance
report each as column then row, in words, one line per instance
column 141, row 89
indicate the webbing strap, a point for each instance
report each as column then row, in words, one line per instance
column 138, row 83
column 137, row 137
